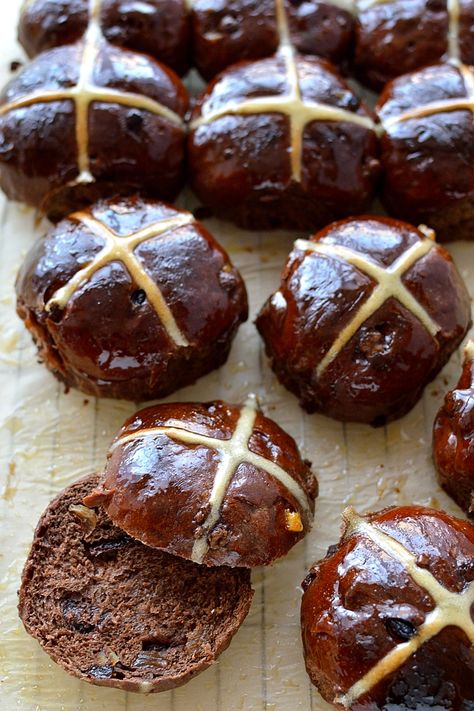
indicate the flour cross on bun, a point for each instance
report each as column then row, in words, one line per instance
column 452, row 609
column 233, row 452
column 453, row 8
column 437, row 107
column 389, row 285
column 454, row 51
column 454, row 58
column 84, row 93
column 299, row 110
column 121, row 248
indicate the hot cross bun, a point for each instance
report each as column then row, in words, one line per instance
column 282, row 142
column 157, row 27
column 388, row 616
column 368, row 311
column 453, row 437
column 228, row 32
column 427, row 148
column 130, row 299
column 215, row 483
column 90, row 120
column 394, row 37
column 116, row 613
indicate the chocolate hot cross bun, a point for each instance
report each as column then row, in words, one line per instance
column 224, row 33
column 212, row 482
column 156, row 27
column 282, row 142
column 368, row 312
column 387, row 617
column 89, row 120
column 427, row 148
column 394, row 37
column 453, row 437
column 130, row 299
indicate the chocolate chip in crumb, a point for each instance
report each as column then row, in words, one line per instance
column 100, row 672
column 399, row 629
column 138, row 297
column 134, row 121
column 105, row 549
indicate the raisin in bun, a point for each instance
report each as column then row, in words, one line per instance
column 388, row 616
column 215, row 483
column 156, row 27
column 227, row 32
column 282, row 142
column 91, row 120
column 400, row 36
column 427, row 149
column 114, row 612
column 368, row 312
column 130, row 299
column 453, row 437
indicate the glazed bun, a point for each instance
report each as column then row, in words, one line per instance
column 130, row 299
column 91, row 120
column 427, row 149
column 453, row 437
column 228, row 32
column 282, row 142
column 368, row 312
column 387, row 617
column 159, row 28
column 215, row 483
column 397, row 37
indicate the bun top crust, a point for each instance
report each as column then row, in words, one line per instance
column 453, row 442
column 397, row 595
column 215, row 483
column 156, row 27
column 362, row 320
column 427, row 144
column 418, row 33
column 226, row 33
column 86, row 120
column 130, row 291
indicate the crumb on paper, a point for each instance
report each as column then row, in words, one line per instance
column 9, row 490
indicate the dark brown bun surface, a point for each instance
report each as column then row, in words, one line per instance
column 215, row 483
column 90, row 120
column 453, row 437
column 368, row 312
column 224, row 33
column 156, row 27
column 115, row 613
column 282, row 142
column 394, row 38
column 388, row 616
column 130, row 299
column 427, row 149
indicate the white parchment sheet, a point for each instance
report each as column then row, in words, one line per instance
column 49, row 438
